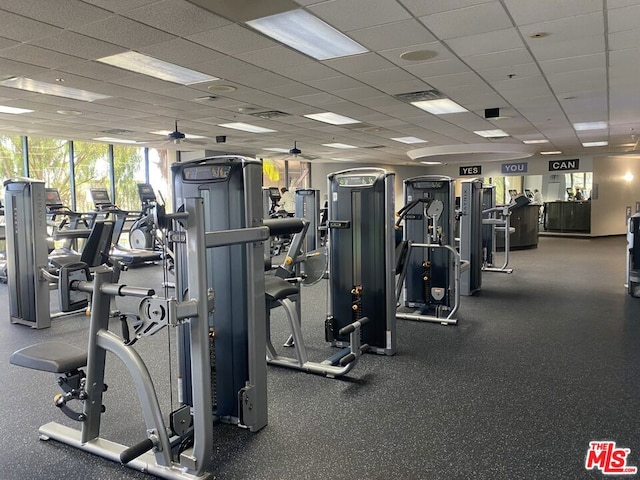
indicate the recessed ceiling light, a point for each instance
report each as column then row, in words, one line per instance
column 553, row 152
column 277, row 149
column 221, row 88
column 69, row 112
column 441, row 106
column 590, row 126
column 246, row 127
column 431, row 163
column 418, row 55
column 532, row 142
column 153, row 67
column 339, row 145
column 332, row 118
column 116, row 140
column 409, row 140
column 491, row 133
column 308, row 34
column 14, row 110
column 167, row 132
column 22, row 83
column 595, row 144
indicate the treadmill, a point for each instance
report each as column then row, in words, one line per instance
column 70, row 229
column 127, row 256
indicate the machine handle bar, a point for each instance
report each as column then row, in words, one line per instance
column 346, row 330
column 136, row 450
column 114, row 289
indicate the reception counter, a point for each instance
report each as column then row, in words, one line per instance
column 525, row 221
column 569, row 217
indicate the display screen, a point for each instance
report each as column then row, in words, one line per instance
column 428, row 185
column 100, row 196
column 206, row 172
column 52, row 197
column 146, row 192
column 356, row 180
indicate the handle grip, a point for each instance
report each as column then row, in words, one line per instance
column 346, row 330
column 348, row 358
column 136, row 450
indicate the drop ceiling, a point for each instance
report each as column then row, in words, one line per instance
column 546, row 64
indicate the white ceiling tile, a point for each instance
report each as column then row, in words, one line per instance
column 587, row 45
column 318, row 99
column 393, row 54
column 583, row 62
column 624, row 58
column 11, row 68
column 578, row 81
column 232, row 39
column 514, row 72
column 625, row 39
column 358, row 93
column 483, row 18
column 501, row 59
column 263, row 80
column 525, row 12
column 420, row 7
column 24, row 29
column 366, row 62
column 181, row 52
column 393, row 35
column 37, row 56
column 119, row 6
column 349, row 15
column 437, row 68
column 177, row 17
column 78, row 45
column 341, row 82
column 401, row 86
column 274, row 58
column 308, row 72
column 290, row 90
column 7, row 43
column 65, row 14
column 626, row 18
column 123, row 31
column 226, row 67
column 491, row 42
column 384, row 79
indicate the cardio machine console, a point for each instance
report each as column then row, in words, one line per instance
column 198, row 173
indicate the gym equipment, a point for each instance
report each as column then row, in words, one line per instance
column 430, row 266
column 307, row 202
column 633, row 255
column 181, row 449
column 230, row 187
column 283, row 289
column 470, row 216
column 105, row 209
column 71, row 227
column 3, row 253
column 142, row 231
column 361, row 258
column 497, row 219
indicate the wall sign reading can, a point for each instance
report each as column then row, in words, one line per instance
column 557, row 165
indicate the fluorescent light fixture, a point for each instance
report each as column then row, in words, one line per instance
column 167, row 132
column 308, row 34
column 139, row 63
column 491, row 133
column 409, row 140
column 116, row 140
column 339, row 145
column 431, row 163
column 595, row 144
column 339, row 159
column 246, row 127
column 22, row 83
column 276, row 149
column 14, row 110
column 532, row 142
column 554, row 152
column 590, row 126
column 332, row 118
column 441, row 106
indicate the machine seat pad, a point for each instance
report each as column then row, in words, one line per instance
column 55, row 357
column 275, row 288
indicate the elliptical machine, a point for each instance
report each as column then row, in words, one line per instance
column 142, row 234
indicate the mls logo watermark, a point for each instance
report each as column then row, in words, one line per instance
column 610, row 460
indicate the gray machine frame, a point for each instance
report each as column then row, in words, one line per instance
column 429, row 229
column 231, row 189
column 154, row 454
column 307, row 201
column 471, row 236
column 361, row 257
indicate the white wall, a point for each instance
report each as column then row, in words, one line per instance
column 614, row 193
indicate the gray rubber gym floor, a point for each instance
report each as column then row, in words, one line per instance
column 543, row 361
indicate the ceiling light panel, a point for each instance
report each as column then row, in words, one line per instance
column 246, row 127
column 533, row 142
column 14, row 110
column 409, row 140
column 139, row 63
column 276, row 149
column 332, row 118
column 116, row 140
column 55, row 89
column 554, row 152
column 590, row 126
column 308, row 34
column 339, row 145
column 497, row 133
column 595, row 144
column 441, row 106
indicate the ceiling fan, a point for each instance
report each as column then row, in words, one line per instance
column 295, row 154
column 181, row 140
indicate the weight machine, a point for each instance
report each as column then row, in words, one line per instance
column 430, row 266
column 361, row 258
column 180, row 450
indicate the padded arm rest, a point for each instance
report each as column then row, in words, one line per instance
column 283, row 226
column 275, row 288
column 55, row 357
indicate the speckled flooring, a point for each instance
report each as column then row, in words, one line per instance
column 542, row 362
